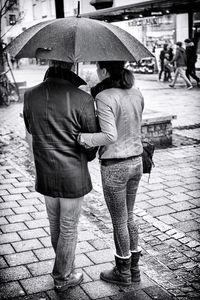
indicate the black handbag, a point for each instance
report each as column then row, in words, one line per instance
column 147, row 157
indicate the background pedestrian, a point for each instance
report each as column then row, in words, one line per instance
column 191, row 60
column 180, row 60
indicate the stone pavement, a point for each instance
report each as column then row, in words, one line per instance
column 167, row 212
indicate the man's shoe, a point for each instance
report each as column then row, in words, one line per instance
column 189, row 87
column 171, row 85
column 73, row 280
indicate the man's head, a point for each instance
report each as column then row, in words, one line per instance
column 179, row 44
column 187, row 42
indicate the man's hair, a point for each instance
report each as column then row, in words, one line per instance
column 187, row 41
column 61, row 64
column 179, row 44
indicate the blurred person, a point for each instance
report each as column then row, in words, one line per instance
column 180, row 60
column 119, row 106
column 55, row 111
column 191, row 60
column 161, row 57
column 168, row 68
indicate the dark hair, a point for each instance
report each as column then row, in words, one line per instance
column 188, row 41
column 118, row 74
column 179, row 44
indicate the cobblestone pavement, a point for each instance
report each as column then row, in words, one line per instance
column 167, row 212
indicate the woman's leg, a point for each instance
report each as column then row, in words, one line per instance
column 132, row 186
column 114, row 180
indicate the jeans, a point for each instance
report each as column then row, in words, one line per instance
column 63, row 216
column 191, row 72
column 181, row 71
column 120, row 183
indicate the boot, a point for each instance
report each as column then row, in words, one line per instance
column 73, row 280
column 120, row 274
column 135, row 271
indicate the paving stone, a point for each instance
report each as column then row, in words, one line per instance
column 184, row 215
column 32, row 233
column 13, row 227
column 20, row 258
column 3, row 192
column 39, row 215
column 9, row 237
column 168, row 219
column 86, row 236
column 160, row 201
column 28, row 202
column 81, row 260
column 40, row 207
column 22, row 184
column 8, row 180
column 101, row 256
column 3, row 221
column 195, row 194
column 24, row 209
column 84, row 247
column 46, row 241
column 13, row 197
column 5, row 186
column 27, row 245
column 183, row 205
column 158, row 194
column 37, row 284
column 156, row 292
column 14, row 273
column 187, row 225
column 94, row 271
column 99, row 244
column 19, row 218
column 133, row 295
column 161, row 210
column 99, row 289
column 3, row 263
column 37, row 223
column 45, row 253
column 10, row 204
column 10, row 290
column 144, row 205
column 41, row 268
column 6, row 212
column 31, row 195
column 6, row 249
column 18, row 190
column 179, row 197
column 72, row 294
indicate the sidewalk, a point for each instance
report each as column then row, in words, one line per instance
column 167, row 212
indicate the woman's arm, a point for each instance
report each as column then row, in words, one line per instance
column 108, row 128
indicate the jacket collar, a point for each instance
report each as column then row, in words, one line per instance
column 63, row 75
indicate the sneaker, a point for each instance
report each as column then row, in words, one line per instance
column 189, row 87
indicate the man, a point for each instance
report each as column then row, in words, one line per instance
column 162, row 56
column 181, row 61
column 191, row 60
column 55, row 111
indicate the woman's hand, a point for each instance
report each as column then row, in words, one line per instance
column 81, row 142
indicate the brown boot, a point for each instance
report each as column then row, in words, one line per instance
column 73, row 280
column 135, row 271
column 120, row 274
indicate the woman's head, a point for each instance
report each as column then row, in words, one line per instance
column 116, row 72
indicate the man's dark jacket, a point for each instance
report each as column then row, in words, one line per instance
column 55, row 111
column 191, row 55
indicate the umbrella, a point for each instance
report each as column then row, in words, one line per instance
column 77, row 39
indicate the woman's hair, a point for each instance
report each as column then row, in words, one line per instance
column 122, row 77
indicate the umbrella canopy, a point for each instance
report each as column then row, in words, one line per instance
column 75, row 39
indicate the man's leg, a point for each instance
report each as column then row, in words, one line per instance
column 53, row 212
column 70, row 209
column 182, row 74
column 175, row 77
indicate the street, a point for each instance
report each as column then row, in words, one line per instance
column 167, row 209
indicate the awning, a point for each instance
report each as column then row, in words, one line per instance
column 145, row 9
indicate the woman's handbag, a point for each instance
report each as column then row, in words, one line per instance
column 147, row 157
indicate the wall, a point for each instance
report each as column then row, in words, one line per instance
column 182, row 27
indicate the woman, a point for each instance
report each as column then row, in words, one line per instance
column 119, row 108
